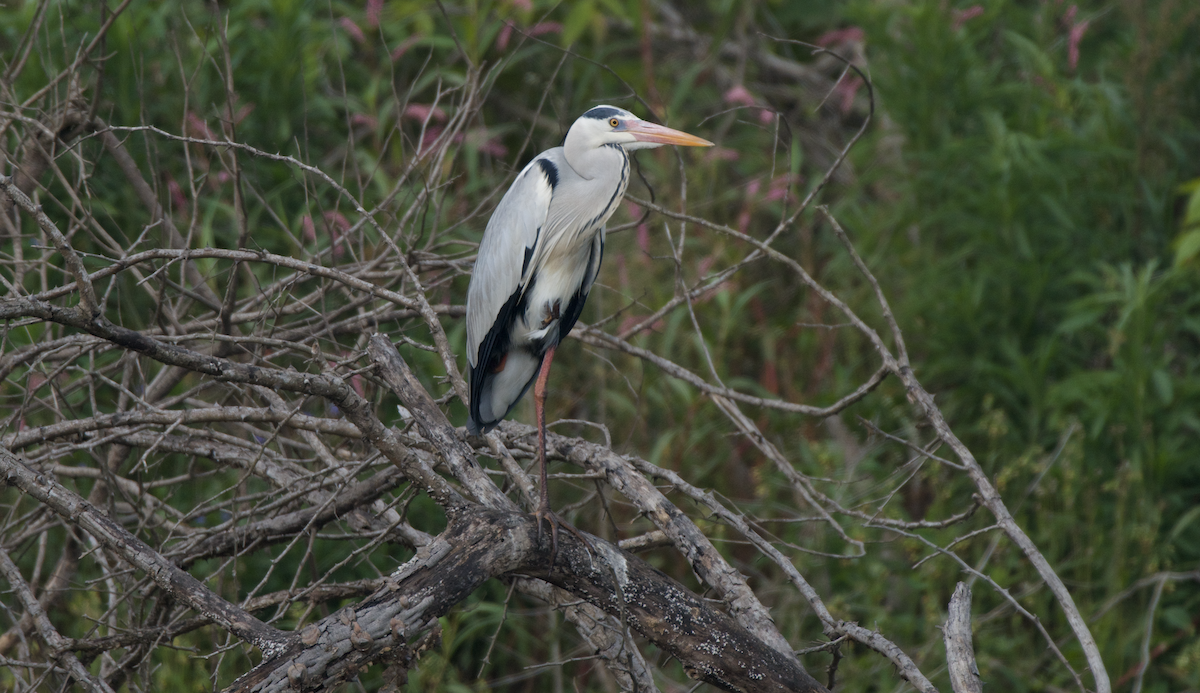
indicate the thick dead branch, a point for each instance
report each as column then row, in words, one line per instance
column 706, row 561
column 603, row 631
column 960, row 653
column 482, row 544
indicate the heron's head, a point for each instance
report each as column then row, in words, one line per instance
column 611, row 125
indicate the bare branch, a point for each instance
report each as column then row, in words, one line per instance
column 458, row 456
column 57, row 643
column 83, row 283
column 165, row 574
column 960, row 654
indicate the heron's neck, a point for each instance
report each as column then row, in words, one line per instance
column 590, row 161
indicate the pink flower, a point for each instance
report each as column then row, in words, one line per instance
column 526, row 5
column 308, row 230
column 356, row 380
column 1073, row 40
column 722, row 154
column 374, row 12
column 779, row 187
column 242, row 112
column 743, row 220
column 847, row 89
column 352, row 29
column 850, row 34
column 399, row 51
column 198, row 128
column 745, row 216
column 504, row 35
column 622, row 271
column 423, row 112
column 337, row 221
column 766, row 116
column 963, row 16
column 338, row 225
column 507, row 30
column 178, row 199
column 627, row 324
column 545, row 28
column 739, row 96
column 493, row 147
column 364, row 119
column 432, row 134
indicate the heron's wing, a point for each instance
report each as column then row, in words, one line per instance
column 575, row 306
column 508, row 246
column 503, row 272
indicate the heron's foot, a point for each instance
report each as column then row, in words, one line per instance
column 545, row 514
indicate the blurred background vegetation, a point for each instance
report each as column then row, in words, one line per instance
column 1028, row 194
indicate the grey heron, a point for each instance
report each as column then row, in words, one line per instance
column 538, row 259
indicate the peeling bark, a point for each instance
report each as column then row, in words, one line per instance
column 479, row 545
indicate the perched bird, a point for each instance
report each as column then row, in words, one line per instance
column 537, row 262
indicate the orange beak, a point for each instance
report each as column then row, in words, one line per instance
column 643, row 131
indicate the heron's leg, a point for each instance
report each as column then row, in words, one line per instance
column 539, row 407
column 544, row 512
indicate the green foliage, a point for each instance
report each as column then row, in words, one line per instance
column 1035, row 213
column 1187, row 246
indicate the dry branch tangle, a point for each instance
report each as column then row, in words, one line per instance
column 479, row 544
column 170, row 578
column 704, row 558
column 657, row 620
column 487, row 536
column 897, row 365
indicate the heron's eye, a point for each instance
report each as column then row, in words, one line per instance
column 614, row 122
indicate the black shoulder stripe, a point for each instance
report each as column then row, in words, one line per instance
column 551, row 172
column 529, row 252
